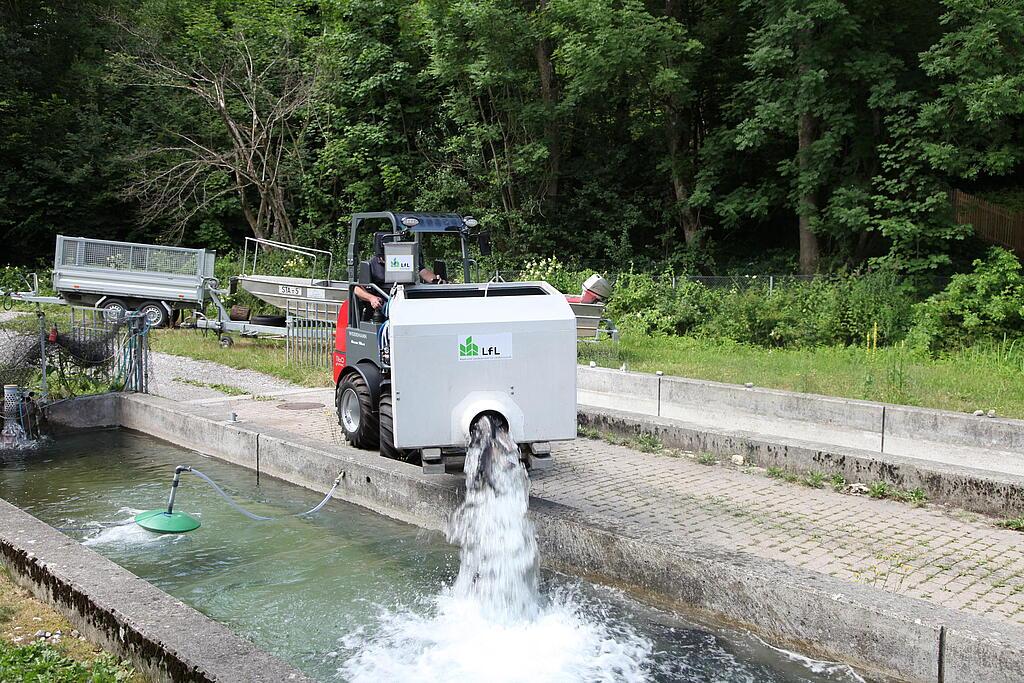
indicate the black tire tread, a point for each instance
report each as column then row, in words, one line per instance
column 368, row 435
column 269, row 320
column 387, row 433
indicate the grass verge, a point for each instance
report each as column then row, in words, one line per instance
column 263, row 355
column 979, row 378
column 57, row 659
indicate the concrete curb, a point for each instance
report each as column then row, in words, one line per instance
column 163, row 638
column 664, row 396
column 895, row 635
column 964, row 487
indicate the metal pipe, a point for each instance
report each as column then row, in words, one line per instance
column 174, row 485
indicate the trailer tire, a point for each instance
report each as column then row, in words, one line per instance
column 114, row 310
column 356, row 413
column 155, row 313
column 269, row 320
column 387, row 433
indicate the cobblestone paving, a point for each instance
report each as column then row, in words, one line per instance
column 952, row 558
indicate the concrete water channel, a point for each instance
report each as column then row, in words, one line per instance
column 347, row 594
column 928, row 594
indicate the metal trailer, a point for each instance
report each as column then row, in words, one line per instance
column 311, row 301
column 158, row 281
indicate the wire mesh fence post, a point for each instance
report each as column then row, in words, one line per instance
column 42, row 352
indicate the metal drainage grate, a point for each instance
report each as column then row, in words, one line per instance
column 300, row 405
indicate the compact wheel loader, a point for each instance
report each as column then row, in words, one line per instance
column 416, row 371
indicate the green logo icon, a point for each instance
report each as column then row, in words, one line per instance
column 468, row 349
column 396, row 263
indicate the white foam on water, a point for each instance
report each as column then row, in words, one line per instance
column 491, row 625
column 460, row 641
column 834, row 670
column 123, row 532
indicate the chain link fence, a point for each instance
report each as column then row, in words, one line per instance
column 89, row 352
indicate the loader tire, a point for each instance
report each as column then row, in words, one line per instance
column 356, row 413
column 387, row 433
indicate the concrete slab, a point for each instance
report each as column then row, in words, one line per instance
column 969, row 488
column 618, row 390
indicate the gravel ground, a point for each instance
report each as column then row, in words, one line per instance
column 9, row 315
column 168, row 371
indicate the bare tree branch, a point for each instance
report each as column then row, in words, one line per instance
column 256, row 96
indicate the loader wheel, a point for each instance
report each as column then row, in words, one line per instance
column 355, row 412
column 387, row 433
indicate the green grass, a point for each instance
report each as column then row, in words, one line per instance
column 814, row 479
column 648, row 443
column 42, row 662
column 1013, row 524
column 982, row 377
column 707, row 459
column 222, row 388
column 263, row 355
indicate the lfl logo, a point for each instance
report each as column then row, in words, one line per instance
column 485, row 347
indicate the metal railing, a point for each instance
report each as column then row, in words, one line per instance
column 81, row 252
column 111, row 344
column 252, row 248
column 309, row 336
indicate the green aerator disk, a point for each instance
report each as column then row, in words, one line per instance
column 163, row 522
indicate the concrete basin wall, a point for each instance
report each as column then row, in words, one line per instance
column 682, row 398
column 897, row 636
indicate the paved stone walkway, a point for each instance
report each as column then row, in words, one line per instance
column 955, row 559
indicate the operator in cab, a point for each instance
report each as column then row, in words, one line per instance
column 377, row 274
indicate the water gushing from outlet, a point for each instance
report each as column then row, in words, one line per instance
column 493, row 624
column 13, row 434
column 498, row 563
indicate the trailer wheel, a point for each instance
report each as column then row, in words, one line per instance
column 155, row 313
column 226, row 342
column 387, row 433
column 355, row 412
column 114, row 310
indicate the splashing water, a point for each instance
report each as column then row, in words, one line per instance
column 492, row 624
column 498, row 563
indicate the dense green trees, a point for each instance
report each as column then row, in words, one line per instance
column 687, row 133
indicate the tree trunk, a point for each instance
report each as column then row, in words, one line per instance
column 677, row 144
column 808, row 209
column 678, row 139
column 549, row 95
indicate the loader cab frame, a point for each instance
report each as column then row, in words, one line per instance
column 408, row 227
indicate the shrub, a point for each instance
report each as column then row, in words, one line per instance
column 557, row 274
column 842, row 310
column 985, row 304
column 643, row 304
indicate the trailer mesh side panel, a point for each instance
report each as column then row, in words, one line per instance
column 86, row 253
column 309, row 339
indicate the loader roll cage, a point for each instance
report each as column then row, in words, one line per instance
column 402, row 226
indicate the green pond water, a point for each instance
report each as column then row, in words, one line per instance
column 349, row 595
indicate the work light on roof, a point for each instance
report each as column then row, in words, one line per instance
column 470, row 222
column 410, row 222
